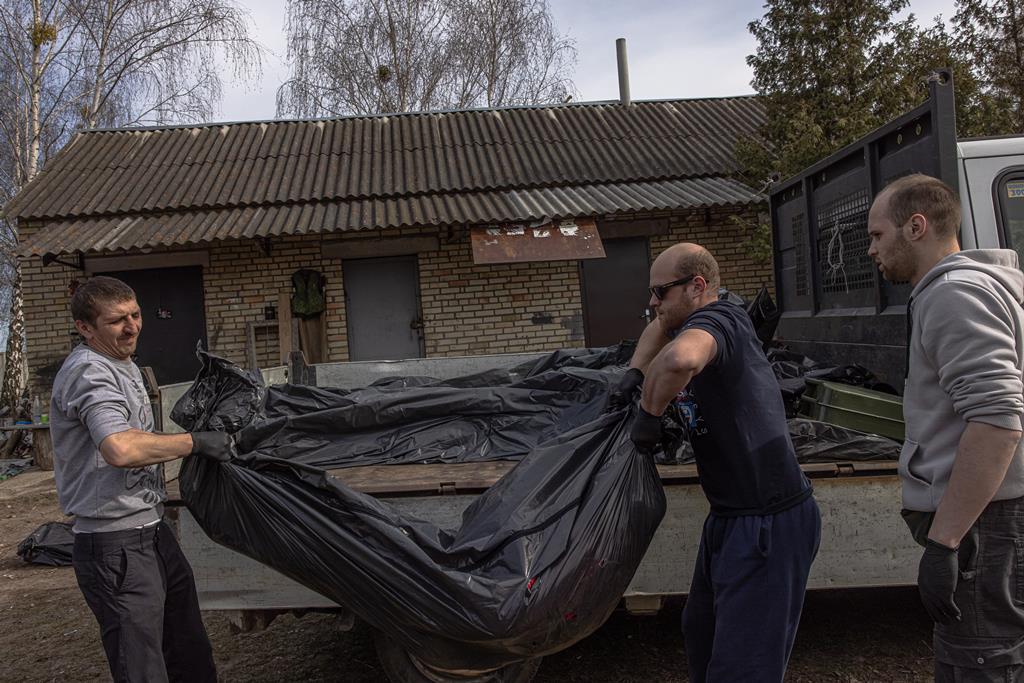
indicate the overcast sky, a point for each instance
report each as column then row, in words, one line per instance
column 676, row 49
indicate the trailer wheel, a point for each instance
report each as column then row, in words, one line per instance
column 403, row 667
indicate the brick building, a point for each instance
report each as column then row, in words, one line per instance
column 419, row 224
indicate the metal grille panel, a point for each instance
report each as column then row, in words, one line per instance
column 843, row 244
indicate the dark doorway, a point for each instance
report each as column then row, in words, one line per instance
column 615, row 292
column 382, row 307
column 173, row 319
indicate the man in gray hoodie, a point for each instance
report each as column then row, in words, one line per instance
column 107, row 468
column 962, row 466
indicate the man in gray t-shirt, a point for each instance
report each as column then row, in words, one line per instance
column 107, row 465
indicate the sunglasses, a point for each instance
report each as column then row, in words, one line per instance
column 659, row 291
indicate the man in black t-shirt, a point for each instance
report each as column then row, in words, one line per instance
column 762, row 533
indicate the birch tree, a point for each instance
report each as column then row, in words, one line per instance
column 35, row 43
column 67, row 65
column 376, row 56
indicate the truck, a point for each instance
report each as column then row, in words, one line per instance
column 834, row 308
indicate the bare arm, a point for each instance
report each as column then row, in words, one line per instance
column 651, row 342
column 674, row 366
column 136, row 448
column 982, row 459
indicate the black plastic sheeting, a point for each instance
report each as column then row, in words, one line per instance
column 822, row 442
column 764, row 314
column 540, row 559
column 49, row 545
column 813, row 441
column 10, row 467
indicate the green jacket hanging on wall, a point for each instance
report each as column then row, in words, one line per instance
column 308, row 293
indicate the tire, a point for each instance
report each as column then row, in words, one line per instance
column 402, row 667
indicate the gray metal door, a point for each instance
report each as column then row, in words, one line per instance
column 615, row 292
column 382, row 305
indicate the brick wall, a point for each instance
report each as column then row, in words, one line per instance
column 727, row 241
column 502, row 308
column 49, row 330
column 467, row 309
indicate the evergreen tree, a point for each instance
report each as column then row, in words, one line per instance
column 991, row 40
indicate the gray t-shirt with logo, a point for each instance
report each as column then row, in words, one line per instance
column 95, row 396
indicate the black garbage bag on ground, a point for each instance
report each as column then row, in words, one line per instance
column 50, row 544
column 11, row 467
column 540, row 559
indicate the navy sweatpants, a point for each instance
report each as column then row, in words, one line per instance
column 744, row 605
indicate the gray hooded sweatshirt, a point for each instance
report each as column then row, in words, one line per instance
column 966, row 364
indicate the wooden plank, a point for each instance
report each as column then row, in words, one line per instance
column 106, row 264
column 610, row 230
column 42, row 449
column 375, row 248
column 560, row 240
column 250, row 346
column 284, row 325
column 427, row 479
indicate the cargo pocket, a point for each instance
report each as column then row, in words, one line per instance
column 1018, row 571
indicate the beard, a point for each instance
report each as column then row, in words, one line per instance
column 899, row 267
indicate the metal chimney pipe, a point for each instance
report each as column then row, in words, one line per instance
column 620, row 52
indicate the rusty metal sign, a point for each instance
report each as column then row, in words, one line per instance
column 561, row 240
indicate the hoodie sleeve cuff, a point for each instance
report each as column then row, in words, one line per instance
column 1003, row 421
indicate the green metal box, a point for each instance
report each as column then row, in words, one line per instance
column 865, row 410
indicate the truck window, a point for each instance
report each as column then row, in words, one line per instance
column 1010, row 195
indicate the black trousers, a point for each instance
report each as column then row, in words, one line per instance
column 987, row 645
column 141, row 589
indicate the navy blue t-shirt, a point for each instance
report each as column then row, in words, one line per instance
column 737, row 422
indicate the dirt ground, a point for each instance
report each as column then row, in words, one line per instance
column 48, row 633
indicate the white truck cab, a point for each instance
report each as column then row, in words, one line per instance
column 991, row 172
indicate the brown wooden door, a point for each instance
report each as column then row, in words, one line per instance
column 615, row 292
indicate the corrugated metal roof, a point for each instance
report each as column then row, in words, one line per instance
column 102, row 234
column 122, row 188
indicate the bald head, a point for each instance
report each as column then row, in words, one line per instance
column 924, row 195
column 688, row 259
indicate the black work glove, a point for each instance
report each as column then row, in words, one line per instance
column 646, row 432
column 627, row 390
column 214, row 445
column 936, row 582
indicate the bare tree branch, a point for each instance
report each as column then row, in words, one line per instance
column 374, row 56
column 66, row 65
